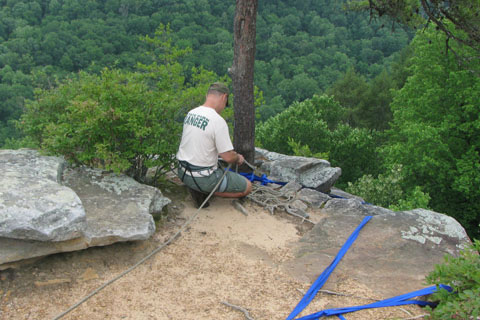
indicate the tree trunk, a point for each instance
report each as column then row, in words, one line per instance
column 244, row 30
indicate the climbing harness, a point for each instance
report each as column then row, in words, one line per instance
column 151, row 254
column 317, row 285
column 195, row 172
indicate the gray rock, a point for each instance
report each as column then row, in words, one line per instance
column 14, row 252
column 118, row 208
column 33, row 206
column 309, row 172
column 300, row 205
column 353, row 207
column 291, row 187
column 268, row 155
column 29, row 163
column 115, row 207
column 392, row 254
column 315, row 198
column 435, row 229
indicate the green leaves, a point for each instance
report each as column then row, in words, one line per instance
column 434, row 133
column 118, row 120
column 462, row 273
column 315, row 127
column 388, row 190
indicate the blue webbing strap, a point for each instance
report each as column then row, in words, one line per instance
column 390, row 302
column 263, row 179
column 394, row 301
column 326, row 273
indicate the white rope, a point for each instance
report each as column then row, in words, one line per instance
column 272, row 199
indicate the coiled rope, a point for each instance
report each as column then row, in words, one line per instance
column 272, row 199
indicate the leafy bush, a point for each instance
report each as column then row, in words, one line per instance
column 304, row 150
column 435, row 132
column 463, row 275
column 120, row 121
column 316, row 124
column 387, row 190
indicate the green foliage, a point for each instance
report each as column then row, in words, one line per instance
column 301, row 48
column 295, row 61
column 316, row 124
column 388, row 190
column 368, row 103
column 112, row 121
column 462, row 273
column 305, row 122
column 304, row 150
column 350, row 92
column 118, row 120
column 435, row 129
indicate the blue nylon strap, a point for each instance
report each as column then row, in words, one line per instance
column 403, row 299
column 308, row 297
column 263, row 179
column 390, row 302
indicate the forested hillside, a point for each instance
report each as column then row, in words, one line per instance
column 302, row 46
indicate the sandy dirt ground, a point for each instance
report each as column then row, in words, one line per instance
column 223, row 257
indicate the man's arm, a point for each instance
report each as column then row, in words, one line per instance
column 232, row 157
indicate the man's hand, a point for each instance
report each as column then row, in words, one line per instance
column 240, row 159
column 232, row 157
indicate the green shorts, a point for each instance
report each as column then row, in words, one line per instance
column 232, row 182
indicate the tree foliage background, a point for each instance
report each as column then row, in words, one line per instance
column 302, row 46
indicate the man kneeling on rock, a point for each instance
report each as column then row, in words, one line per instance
column 205, row 137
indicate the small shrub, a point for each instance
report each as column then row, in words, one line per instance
column 387, row 190
column 304, row 150
column 462, row 273
column 317, row 124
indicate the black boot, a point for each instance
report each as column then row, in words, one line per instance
column 198, row 197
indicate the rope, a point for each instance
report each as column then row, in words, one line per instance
column 272, row 199
column 185, row 225
column 249, row 165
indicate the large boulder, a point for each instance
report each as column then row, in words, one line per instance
column 118, row 208
column 392, row 254
column 112, row 207
column 33, row 205
column 309, row 172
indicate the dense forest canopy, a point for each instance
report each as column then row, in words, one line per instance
column 302, row 46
